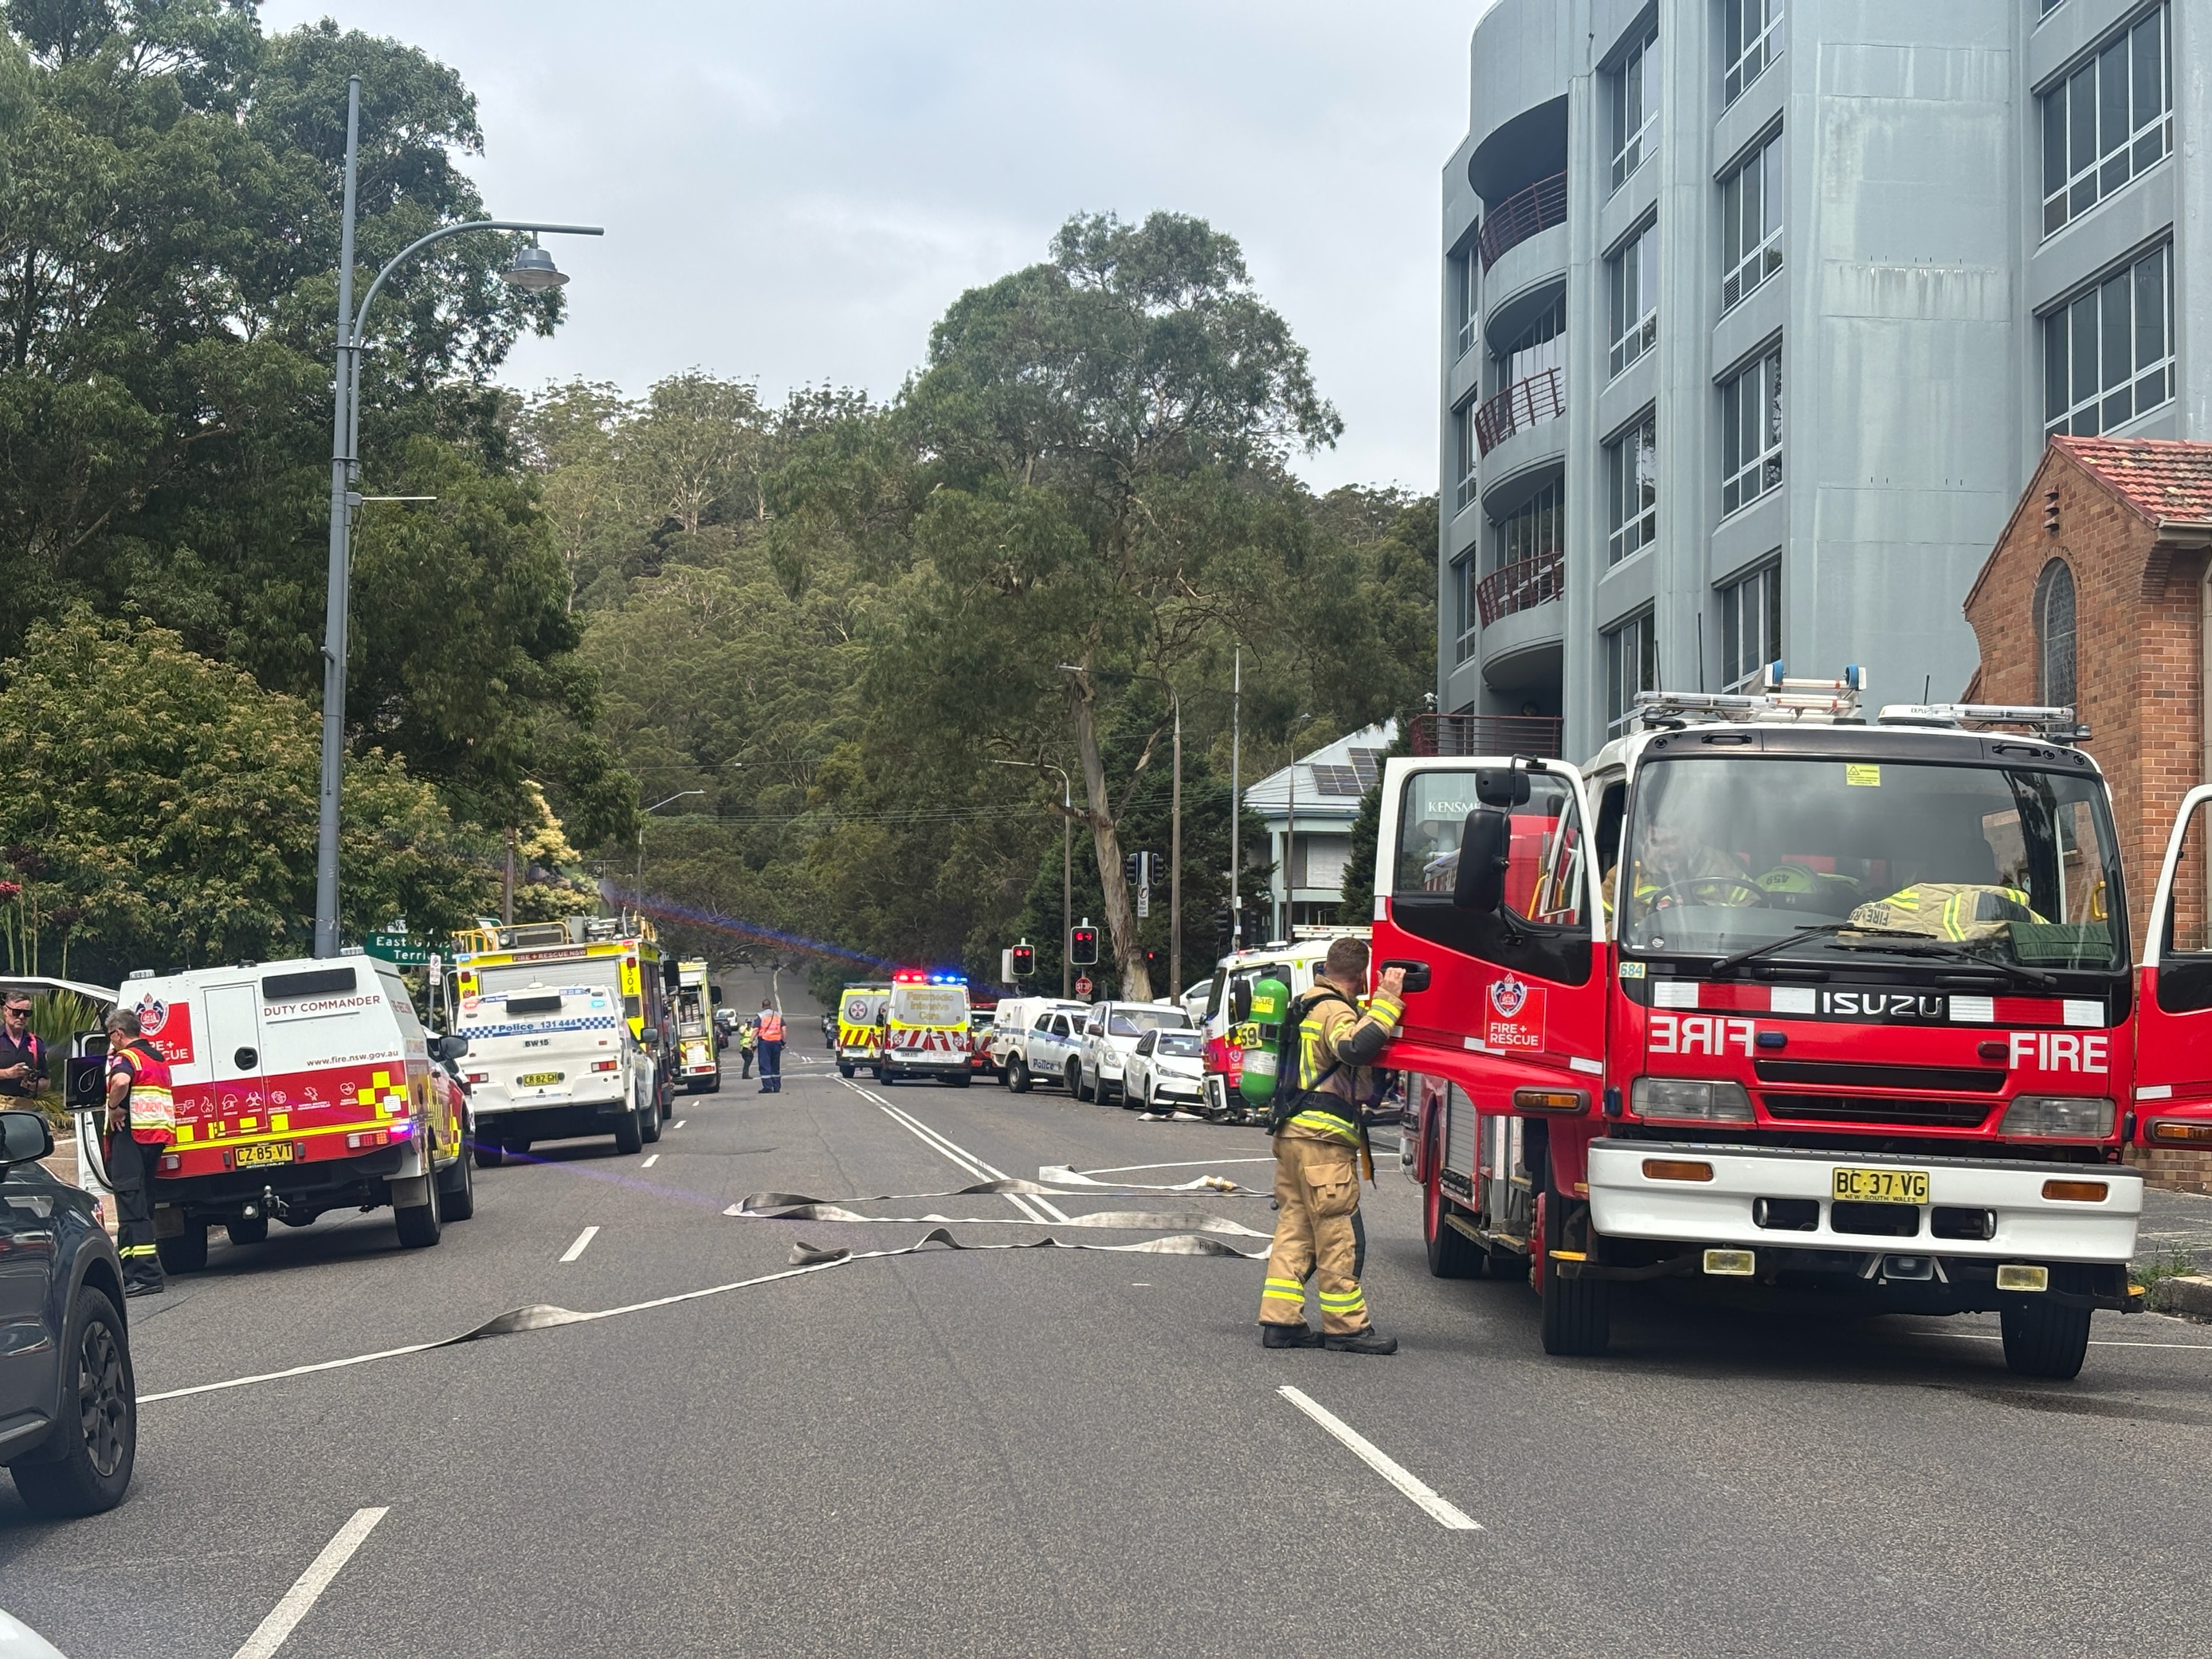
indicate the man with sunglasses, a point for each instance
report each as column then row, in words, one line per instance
column 23, row 1055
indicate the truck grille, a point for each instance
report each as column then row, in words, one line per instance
column 1903, row 1109
column 1946, row 1079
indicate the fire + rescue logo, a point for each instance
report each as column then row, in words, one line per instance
column 1508, row 995
column 153, row 1015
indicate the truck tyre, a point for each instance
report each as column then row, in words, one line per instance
column 844, row 1068
column 247, row 1230
column 420, row 1226
column 491, row 1154
column 186, row 1253
column 1452, row 1254
column 2042, row 1339
column 629, row 1133
column 457, row 1189
column 84, row 1466
column 653, row 1125
column 1018, row 1076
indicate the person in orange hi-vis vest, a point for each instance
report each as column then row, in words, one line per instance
column 769, row 1025
column 142, row 1119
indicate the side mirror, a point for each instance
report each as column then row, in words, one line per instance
column 1240, row 1002
column 715, row 993
column 1485, row 849
column 1501, row 785
column 451, row 1048
column 25, row 1137
column 84, row 1082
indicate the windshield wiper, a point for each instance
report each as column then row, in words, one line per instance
column 1944, row 951
column 1811, row 930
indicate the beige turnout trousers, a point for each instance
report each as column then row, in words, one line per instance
column 1317, row 1189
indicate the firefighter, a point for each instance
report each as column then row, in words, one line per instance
column 23, row 1055
column 142, row 1119
column 1318, row 1142
column 769, row 1025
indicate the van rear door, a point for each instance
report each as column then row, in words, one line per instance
column 233, row 1048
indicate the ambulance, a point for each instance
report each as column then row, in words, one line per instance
column 301, row 1087
column 565, row 1026
column 861, row 1028
column 925, row 1032
column 698, row 1059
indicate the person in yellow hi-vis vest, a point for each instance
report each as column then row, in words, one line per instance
column 1318, row 1137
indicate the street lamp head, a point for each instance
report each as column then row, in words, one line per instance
column 534, row 268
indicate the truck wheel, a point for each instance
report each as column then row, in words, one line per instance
column 247, row 1230
column 653, row 1125
column 1452, row 1254
column 962, row 1081
column 491, row 1154
column 2042, row 1339
column 457, row 1190
column 629, row 1133
column 1017, row 1077
column 85, row 1465
column 420, row 1224
column 844, row 1068
column 187, row 1252
column 1577, row 1312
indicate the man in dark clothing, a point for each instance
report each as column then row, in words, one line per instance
column 23, row 1055
column 141, row 1122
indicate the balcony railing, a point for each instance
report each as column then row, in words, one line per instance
column 1519, row 586
column 1541, row 397
column 1450, row 735
column 1522, row 215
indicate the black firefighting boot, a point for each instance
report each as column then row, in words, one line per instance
column 1367, row 1339
column 1300, row 1335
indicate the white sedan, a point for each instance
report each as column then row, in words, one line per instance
column 1165, row 1071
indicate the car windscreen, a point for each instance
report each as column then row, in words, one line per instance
column 2018, row 865
column 1135, row 1022
column 1180, row 1045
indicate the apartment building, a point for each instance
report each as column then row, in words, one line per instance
column 1759, row 313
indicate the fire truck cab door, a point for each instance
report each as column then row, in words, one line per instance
column 1515, row 996
column 2173, row 1013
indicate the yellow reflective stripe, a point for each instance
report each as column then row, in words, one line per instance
column 1287, row 1284
column 1353, row 1300
column 1298, row 1297
column 137, row 1249
column 1327, row 1123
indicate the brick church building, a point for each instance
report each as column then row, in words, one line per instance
column 2098, row 595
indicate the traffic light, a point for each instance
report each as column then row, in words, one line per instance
column 1224, row 928
column 1083, row 946
column 1024, row 962
column 1142, row 869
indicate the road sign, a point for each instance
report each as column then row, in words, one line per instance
column 1083, row 986
column 401, row 950
column 1143, row 902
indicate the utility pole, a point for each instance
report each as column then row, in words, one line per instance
column 341, row 566
column 1236, row 801
column 1289, row 854
column 507, row 883
column 1174, row 866
column 1066, row 881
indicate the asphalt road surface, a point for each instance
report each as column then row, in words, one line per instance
column 1027, row 1451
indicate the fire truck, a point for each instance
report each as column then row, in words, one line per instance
column 1770, row 995
column 567, row 1030
column 699, row 1064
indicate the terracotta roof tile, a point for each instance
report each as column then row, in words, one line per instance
column 2159, row 477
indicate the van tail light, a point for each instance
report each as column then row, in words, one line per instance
column 479, row 1077
column 606, row 1065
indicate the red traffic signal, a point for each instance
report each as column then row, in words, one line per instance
column 1024, row 960
column 1082, row 947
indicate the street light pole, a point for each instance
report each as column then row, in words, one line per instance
column 1174, row 866
column 1236, row 801
column 532, row 269
column 642, row 816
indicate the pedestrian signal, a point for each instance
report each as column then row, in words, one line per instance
column 1083, row 946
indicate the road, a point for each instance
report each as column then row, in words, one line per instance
column 1022, row 1451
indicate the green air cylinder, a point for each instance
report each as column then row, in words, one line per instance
column 1264, row 1036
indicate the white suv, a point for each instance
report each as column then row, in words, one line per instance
column 1109, row 1035
column 1046, row 1051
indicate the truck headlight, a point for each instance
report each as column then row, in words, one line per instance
column 2058, row 1117
column 1681, row 1100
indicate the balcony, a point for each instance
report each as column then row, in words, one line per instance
column 1521, row 586
column 1520, row 216
column 1455, row 735
column 1543, row 396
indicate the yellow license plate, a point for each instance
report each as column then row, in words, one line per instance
column 537, row 1079
column 1881, row 1186
column 271, row 1151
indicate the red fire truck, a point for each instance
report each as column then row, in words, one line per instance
column 1769, row 994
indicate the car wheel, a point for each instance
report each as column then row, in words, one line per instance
column 1017, row 1077
column 652, row 1127
column 420, row 1226
column 844, row 1068
column 187, row 1252
column 1074, row 1080
column 962, row 1081
column 491, row 1154
column 457, row 1189
column 247, row 1230
column 629, row 1133
column 85, row 1465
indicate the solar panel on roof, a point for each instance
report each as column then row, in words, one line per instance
column 1368, row 763
column 1338, row 781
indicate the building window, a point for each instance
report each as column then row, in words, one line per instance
column 1535, row 530
column 1750, row 222
column 1539, row 347
column 1751, row 38
column 2108, row 354
column 2049, row 6
column 2108, row 121
column 1631, row 664
column 1463, row 453
column 1631, row 471
column 1635, row 106
column 1751, row 626
column 1464, row 293
column 1751, row 434
column 2054, row 635
column 1632, row 277
column 1462, row 602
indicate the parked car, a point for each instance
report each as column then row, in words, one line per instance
column 1049, row 1047
column 69, row 1401
column 1194, row 998
column 1165, row 1072
column 1110, row 1030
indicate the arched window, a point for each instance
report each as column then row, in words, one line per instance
column 2054, row 635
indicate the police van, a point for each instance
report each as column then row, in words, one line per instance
column 550, row 1057
column 301, row 1087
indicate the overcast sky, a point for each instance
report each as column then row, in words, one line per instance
column 793, row 192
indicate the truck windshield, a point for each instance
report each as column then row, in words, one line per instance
column 600, row 973
column 1727, row 854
